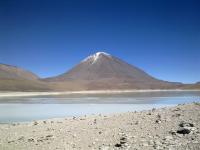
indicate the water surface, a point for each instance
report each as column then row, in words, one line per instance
column 16, row 109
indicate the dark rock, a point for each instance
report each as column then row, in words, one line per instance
column 177, row 109
column 40, row 140
column 123, row 141
column 11, row 141
column 136, row 123
column 48, row 136
column 183, row 131
column 159, row 116
column 149, row 113
column 118, row 145
column 158, row 120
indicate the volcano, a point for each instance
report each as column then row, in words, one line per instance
column 104, row 71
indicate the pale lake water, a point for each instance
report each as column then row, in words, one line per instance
column 23, row 109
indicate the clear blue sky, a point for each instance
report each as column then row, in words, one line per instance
column 49, row 37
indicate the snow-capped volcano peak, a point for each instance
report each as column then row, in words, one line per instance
column 102, row 53
column 96, row 56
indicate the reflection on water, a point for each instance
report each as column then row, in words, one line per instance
column 43, row 107
column 124, row 98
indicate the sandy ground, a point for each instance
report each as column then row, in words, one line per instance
column 167, row 128
column 20, row 94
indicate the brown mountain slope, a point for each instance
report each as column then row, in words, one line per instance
column 193, row 86
column 13, row 72
column 13, row 78
column 103, row 71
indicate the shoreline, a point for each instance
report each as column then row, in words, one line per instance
column 24, row 94
column 164, row 128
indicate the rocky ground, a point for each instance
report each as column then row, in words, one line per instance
column 176, row 128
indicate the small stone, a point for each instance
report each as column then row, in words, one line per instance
column 39, row 140
column 31, row 140
column 35, row 123
column 122, row 142
column 123, row 139
column 158, row 121
column 11, row 141
column 176, row 115
column 21, row 138
column 177, row 109
column 118, row 145
column 149, row 113
column 159, row 116
column 48, row 136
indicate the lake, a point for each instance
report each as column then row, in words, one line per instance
column 29, row 108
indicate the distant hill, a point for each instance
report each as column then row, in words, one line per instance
column 13, row 72
column 103, row 71
column 191, row 86
column 13, row 78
